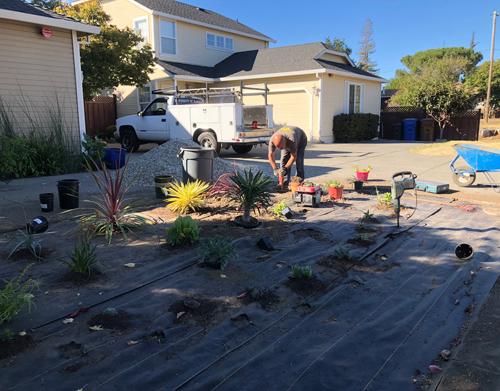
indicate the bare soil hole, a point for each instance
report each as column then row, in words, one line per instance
column 15, row 346
column 120, row 322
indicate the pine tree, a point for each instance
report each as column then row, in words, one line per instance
column 338, row 44
column 367, row 49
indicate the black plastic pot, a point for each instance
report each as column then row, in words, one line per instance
column 162, row 181
column 68, row 193
column 47, row 202
column 358, row 185
column 37, row 225
column 265, row 244
column 254, row 223
column 464, row 251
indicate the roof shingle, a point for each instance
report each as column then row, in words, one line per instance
column 27, row 8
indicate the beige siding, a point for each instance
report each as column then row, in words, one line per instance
column 333, row 101
column 123, row 13
column 37, row 75
column 334, row 58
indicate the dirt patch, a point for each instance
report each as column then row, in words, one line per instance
column 242, row 321
column 267, row 299
column 23, row 254
column 75, row 278
column 194, row 311
column 310, row 233
column 306, row 286
column 71, row 350
column 366, row 242
column 157, row 337
column 333, row 262
column 15, row 346
column 120, row 321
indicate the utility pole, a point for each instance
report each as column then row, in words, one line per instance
column 487, row 107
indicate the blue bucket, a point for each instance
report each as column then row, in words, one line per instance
column 114, row 158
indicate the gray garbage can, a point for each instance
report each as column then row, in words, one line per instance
column 197, row 163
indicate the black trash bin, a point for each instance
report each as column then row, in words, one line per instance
column 397, row 131
column 68, row 193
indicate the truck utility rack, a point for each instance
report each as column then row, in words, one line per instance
column 208, row 92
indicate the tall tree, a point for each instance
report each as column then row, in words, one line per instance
column 435, row 90
column 367, row 49
column 338, row 44
column 111, row 58
column 479, row 81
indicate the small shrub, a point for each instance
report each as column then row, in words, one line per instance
column 278, row 209
column 184, row 228
column 93, row 148
column 361, row 237
column 15, row 295
column 29, row 242
column 83, row 258
column 385, row 199
column 301, row 272
column 217, row 251
column 342, row 253
column 367, row 215
column 355, row 127
column 184, row 197
column 110, row 131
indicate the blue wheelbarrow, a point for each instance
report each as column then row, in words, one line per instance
column 479, row 159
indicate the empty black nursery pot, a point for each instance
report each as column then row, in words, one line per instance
column 68, row 193
column 47, row 202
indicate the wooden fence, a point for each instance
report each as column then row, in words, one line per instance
column 462, row 127
column 99, row 114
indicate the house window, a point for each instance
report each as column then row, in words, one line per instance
column 354, row 93
column 168, row 38
column 220, row 42
column 141, row 28
column 144, row 96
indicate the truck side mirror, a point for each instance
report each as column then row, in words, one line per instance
column 139, row 113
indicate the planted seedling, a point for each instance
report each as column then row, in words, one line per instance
column 110, row 311
column 361, row 237
column 185, row 228
column 385, row 199
column 342, row 253
column 258, row 293
column 278, row 209
column 7, row 335
column 217, row 251
column 367, row 215
column 82, row 258
column 301, row 272
column 29, row 242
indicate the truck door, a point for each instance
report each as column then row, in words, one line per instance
column 153, row 123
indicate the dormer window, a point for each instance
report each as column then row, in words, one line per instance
column 220, row 42
column 168, row 40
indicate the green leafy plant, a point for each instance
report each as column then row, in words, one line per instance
column 217, row 251
column 110, row 214
column 186, row 196
column 367, row 215
column 82, row 258
column 257, row 293
column 301, row 272
column 7, row 335
column 29, row 242
column 278, row 209
column 357, row 169
column 342, row 253
column 361, row 237
column 184, row 227
column 93, row 148
column 15, row 295
column 334, row 184
column 251, row 191
column 110, row 311
column 384, row 199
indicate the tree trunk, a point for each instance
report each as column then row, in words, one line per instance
column 246, row 215
column 442, row 124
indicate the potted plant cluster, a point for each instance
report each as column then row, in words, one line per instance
column 335, row 189
column 362, row 173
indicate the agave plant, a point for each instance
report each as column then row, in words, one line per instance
column 251, row 191
column 183, row 197
column 110, row 211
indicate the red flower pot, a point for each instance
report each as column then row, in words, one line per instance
column 335, row 192
column 362, row 175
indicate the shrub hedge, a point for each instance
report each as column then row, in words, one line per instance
column 355, row 127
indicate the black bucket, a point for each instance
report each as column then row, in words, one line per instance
column 68, row 193
column 162, row 181
column 47, row 202
column 37, row 225
column 464, row 251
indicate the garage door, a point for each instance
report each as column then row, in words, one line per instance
column 291, row 109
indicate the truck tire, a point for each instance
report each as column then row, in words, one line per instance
column 129, row 140
column 208, row 140
column 242, row 148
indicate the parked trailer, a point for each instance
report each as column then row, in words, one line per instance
column 479, row 159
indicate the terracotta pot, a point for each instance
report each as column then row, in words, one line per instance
column 362, row 175
column 335, row 192
column 293, row 186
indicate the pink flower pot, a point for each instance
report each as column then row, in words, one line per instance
column 362, row 175
column 335, row 192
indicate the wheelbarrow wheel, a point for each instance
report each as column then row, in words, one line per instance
column 464, row 179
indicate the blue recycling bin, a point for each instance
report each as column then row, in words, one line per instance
column 410, row 129
column 114, row 158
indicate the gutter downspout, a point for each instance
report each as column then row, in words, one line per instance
column 79, row 86
column 320, row 104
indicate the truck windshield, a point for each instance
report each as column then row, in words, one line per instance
column 157, row 107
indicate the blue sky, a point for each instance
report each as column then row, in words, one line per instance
column 400, row 27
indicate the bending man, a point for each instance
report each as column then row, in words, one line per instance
column 292, row 142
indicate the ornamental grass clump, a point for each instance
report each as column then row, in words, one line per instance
column 299, row 272
column 15, row 295
column 251, row 191
column 82, row 259
column 187, row 196
column 111, row 213
column 217, row 251
column 29, row 242
column 185, row 228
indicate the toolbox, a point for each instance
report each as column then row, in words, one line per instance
column 431, row 187
column 307, row 195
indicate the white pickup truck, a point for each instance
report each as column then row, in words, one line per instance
column 212, row 125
